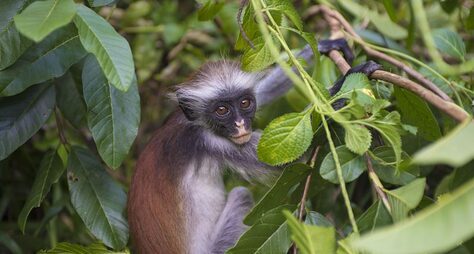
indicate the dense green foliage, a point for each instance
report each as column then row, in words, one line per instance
column 390, row 172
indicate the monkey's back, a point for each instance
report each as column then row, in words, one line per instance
column 155, row 211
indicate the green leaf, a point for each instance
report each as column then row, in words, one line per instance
column 286, row 138
column 352, row 165
column 268, row 235
column 279, row 192
column 450, row 43
column 51, row 58
column 359, row 84
column 357, row 138
column 386, row 170
column 113, row 116
column 43, row 17
column 381, row 21
column 470, row 20
column 70, row 248
column 50, row 170
column 447, row 149
column 389, row 127
column 416, row 112
column 22, row 115
column 436, row 229
column 311, row 239
column 98, row 3
column 12, row 43
column 314, row 218
column 69, row 99
column 374, row 217
column 389, row 7
column 210, row 9
column 405, row 198
column 257, row 58
column 286, row 7
column 250, row 27
column 111, row 50
column 9, row 243
column 97, row 198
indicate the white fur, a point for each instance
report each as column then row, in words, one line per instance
column 205, row 192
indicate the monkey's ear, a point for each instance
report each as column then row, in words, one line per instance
column 184, row 105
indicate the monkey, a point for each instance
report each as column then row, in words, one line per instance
column 177, row 201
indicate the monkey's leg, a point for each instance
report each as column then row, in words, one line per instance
column 230, row 225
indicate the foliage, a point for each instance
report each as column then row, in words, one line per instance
column 392, row 173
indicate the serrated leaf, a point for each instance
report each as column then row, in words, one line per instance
column 357, row 138
column 50, row 58
column 21, row 116
column 97, row 198
column 278, row 193
column 374, row 217
column 113, row 116
column 311, row 239
column 405, row 198
column 250, row 27
column 70, row 248
column 43, row 17
column 352, row 165
column 389, row 127
column 12, row 43
column 447, row 149
column 286, row 138
column 286, row 7
column 257, row 58
column 450, row 43
column 51, row 168
column 356, row 87
column 110, row 48
column 439, row 227
column 210, row 9
column 268, row 235
column 98, row 3
column 416, row 112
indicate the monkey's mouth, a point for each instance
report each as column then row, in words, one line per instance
column 242, row 138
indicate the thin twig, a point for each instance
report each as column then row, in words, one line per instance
column 305, row 191
column 377, row 184
column 447, row 107
column 336, row 20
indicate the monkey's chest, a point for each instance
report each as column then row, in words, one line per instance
column 205, row 197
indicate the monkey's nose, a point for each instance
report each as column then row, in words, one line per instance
column 240, row 123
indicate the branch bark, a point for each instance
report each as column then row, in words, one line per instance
column 433, row 95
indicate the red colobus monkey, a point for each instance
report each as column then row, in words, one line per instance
column 177, row 200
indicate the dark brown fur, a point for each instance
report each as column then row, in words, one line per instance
column 155, row 208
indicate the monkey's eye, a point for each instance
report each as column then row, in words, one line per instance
column 222, row 111
column 245, row 103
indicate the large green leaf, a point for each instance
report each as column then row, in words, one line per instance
column 448, row 150
column 97, row 198
column 357, row 138
column 110, row 48
column 286, row 138
column 69, row 99
column 69, row 248
column 112, row 115
column 50, row 170
column 49, row 59
column 278, row 193
column 416, row 112
column 436, row 229
column 22, row 115
column 268, row 235
column 257, row 58
column 210, row 9
column 41, row 18
column 389, row 127
column 450, row 43
column 12, row 43
column 311, row 239
column 352, row 165
column 384, row 167
column 405, row 198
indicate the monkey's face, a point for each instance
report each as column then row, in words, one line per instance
column 232, row 117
